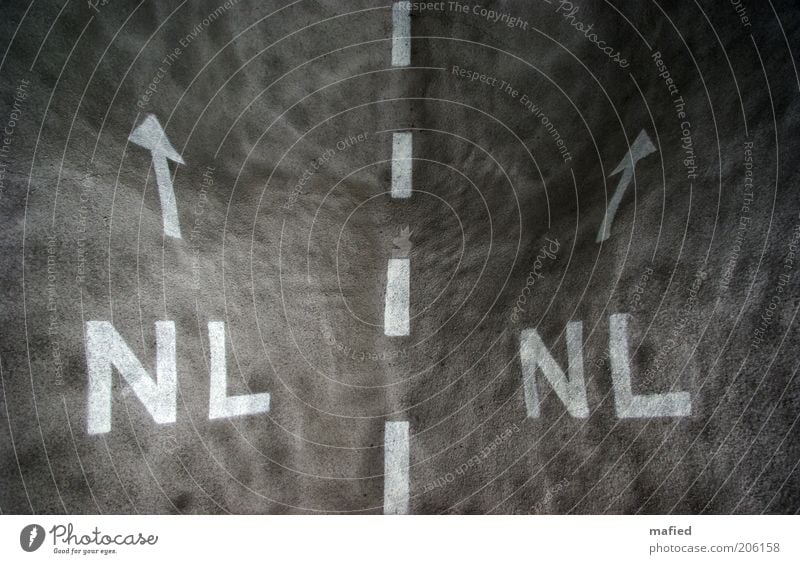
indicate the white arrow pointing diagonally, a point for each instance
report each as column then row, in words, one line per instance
column 641, row 147
column 151, row 136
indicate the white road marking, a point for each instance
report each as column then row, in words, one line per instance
column 674, row 404
column 106, row 348
column 533, row 354
column 220, row 405
column 396, row 316
column 396, row 458
column 401, row 164
column 396, row 313
column 401, row 34
column 150, row 135
column 641, row 147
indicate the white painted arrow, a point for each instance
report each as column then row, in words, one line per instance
column 398, row 287
column 641, row 147
column 151, row 136
column 398, row 282
column 401, row 34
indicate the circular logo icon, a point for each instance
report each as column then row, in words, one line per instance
column 31, row 537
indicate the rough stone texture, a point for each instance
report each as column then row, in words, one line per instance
column 265, row 88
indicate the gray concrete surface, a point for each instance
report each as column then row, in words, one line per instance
column 249, row 94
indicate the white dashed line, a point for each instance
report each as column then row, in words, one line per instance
column 401, row 165
column 401, row 34
column 395, row 468
column 151, row 136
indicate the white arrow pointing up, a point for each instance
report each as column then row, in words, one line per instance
column 641, row 147
column 151, row 136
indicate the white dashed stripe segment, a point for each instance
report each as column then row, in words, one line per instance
column 401, row 34
column 401, row 164
column 395, row 468
column 396, row 316
column 398, row 280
